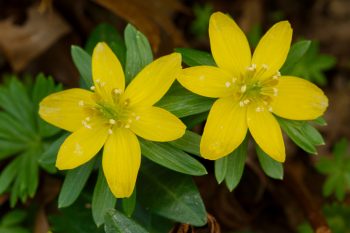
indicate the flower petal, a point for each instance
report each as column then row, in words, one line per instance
column 229, row 45
column 121, row 162
column 225, row 129
column 298, row 99
column 151, row 84
column 273, row 48
column 82, row 145
column 207, row 81
column 157, row 124
column 107, row 72
column 66, row 109
column 266, row 131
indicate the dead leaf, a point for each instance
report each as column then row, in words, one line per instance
column 150, row 17
column 21, row 44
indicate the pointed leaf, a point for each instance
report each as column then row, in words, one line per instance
column 172, row 158
column 193, row 57
column 271, row 167
column 116, row 222
column 171, row 195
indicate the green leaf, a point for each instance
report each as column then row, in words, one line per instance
column 189, row 142
column 116, row 222
column 182, row 102
column 8, row 174
column 102, row 199
column 74, row 183
column 313, row 135
column 193, row 57
column 313, row 65
column 194, row 120
column 172, row 158
column 129, row 204
column 107, row 33
column 171, row 195
column 271, row 167
column 320, row 121
column 295, row 131
column 82, row 61
column 296, row 52
column 13, row 218
column 220, row 169
column 43, row 87
column 235, row 165
column 138, row 52
column 48, row 159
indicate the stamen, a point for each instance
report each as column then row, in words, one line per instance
column 243, row 88
column 270, row 109
column 102, row 84
column 127, row 126
column 112, row 121
column 97, row 81
column 86, row 125
column 246, row 101
column 265, row 67
column 87, row 118
column 259, row 109
column 81, row 103
column 110, row 131
column 137, row 118
column 234, row 80
column 129, row 120
column 127, row 102
column 275, row 91
column 117, row 91
column 241, row 103
column 227, row 84
column 92, row 88
column 252, row 67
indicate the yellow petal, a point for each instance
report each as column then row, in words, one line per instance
column 157, row 124
column 107, row 72
column 298, row 99
column 225, row 129
column 151, row 84
column 273, row 48
column 121, row 162
column 266, row 131
column 229, row 45
column 207, row 81
column 66, row 109
column 82, row 145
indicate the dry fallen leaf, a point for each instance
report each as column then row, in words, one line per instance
column 211, row 227
column 22, row 43
column 149, row 17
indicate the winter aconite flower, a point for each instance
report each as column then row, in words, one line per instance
column 111, row 116
column 250, row 89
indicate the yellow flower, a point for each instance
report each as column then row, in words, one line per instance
column 112, row 116
column 250, row 89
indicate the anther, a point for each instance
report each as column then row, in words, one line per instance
column 92, row 88
column 270, row 109
column 252, row 67
column 227, row 84
column 112, row 121
column 243, row 88
column 102, row 84
column 246, row 101
column 97, row 81
column 265, row 67
column 87, row 118
column 275, row 91
column 127, row 126
column 137, row 118
column 110, row 131
column 234, row 80
column 241, row 103
column 259, row 109
column 117, row 91
column 81, row 103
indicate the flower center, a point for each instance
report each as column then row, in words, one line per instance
column 116, row 111
column 253, row 87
